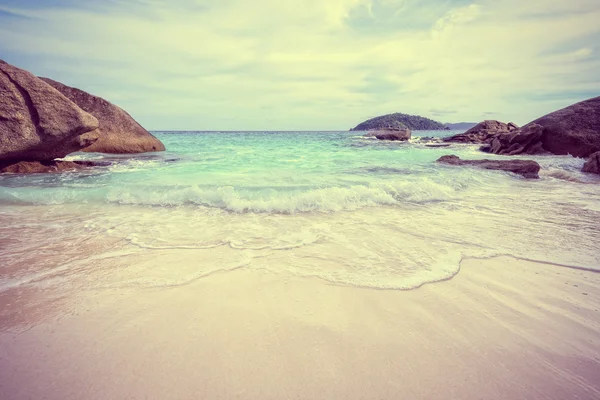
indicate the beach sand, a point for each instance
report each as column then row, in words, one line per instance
column 500, row 329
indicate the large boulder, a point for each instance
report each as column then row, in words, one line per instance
column 483, row 132
column 592, row 165
column 118, row 132
column 36, row 121
column 393, row 134
column 526, row 168
column 572, row 130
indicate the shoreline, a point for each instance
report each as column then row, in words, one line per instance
column 501, row 328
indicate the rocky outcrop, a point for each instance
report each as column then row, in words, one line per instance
column 484, row 132
column 399, row 120
column 38, row 123
column 520, row 141
column 505, row 139
column 592, row 165
column 572, row 130
column 118, row 132
column 526, row 168
column 34, row 167
column 399, row 134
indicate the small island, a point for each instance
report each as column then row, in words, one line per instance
column 400, row 121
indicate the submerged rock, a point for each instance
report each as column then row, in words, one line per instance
column 431, row 142
column 592, row 165
column 38, row 123
column 527, row 168
column 34, row 167
column 401, row 133
column 118, row 132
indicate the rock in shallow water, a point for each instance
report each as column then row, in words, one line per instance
column 438, row 145
column 527, row 168
column 36, row 167
column 592, row 165
column 398, row 134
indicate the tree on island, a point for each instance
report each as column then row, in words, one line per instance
column 399, row 120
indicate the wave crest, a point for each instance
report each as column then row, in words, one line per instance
column 244, row 199
column 328, row 199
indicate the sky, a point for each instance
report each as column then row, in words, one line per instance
column 311, row 64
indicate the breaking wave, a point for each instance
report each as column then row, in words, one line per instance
column 240, row 200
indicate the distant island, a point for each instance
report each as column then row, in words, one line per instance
column 461, row 126
column 400, row 121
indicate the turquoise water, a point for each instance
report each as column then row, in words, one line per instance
column 330, row 205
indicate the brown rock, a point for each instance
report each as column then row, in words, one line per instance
column 572, row 130
column 34, row 167
column 512, row 126
column 401, row 134
column 118, row 132
column 592, row 165
column 484, row 132
column 438, row 145
column 527, row 168
column 519, row 141
column 36, row 121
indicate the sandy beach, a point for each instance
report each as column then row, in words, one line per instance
column 501, row 329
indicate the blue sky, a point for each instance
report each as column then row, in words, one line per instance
column 311, row 64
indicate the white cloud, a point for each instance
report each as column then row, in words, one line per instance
column 292, row 64
column 582, row 53
column 457, row 16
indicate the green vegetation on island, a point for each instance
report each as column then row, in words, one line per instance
column 398, row 121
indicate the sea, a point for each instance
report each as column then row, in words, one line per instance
column 333, row 206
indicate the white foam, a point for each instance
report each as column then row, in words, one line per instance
column 328, row 199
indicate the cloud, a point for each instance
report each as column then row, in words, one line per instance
column 311, row 64
column 457, row 16
column 581, row 54
column 442, row 112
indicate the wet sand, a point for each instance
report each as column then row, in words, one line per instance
column 500, row 329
